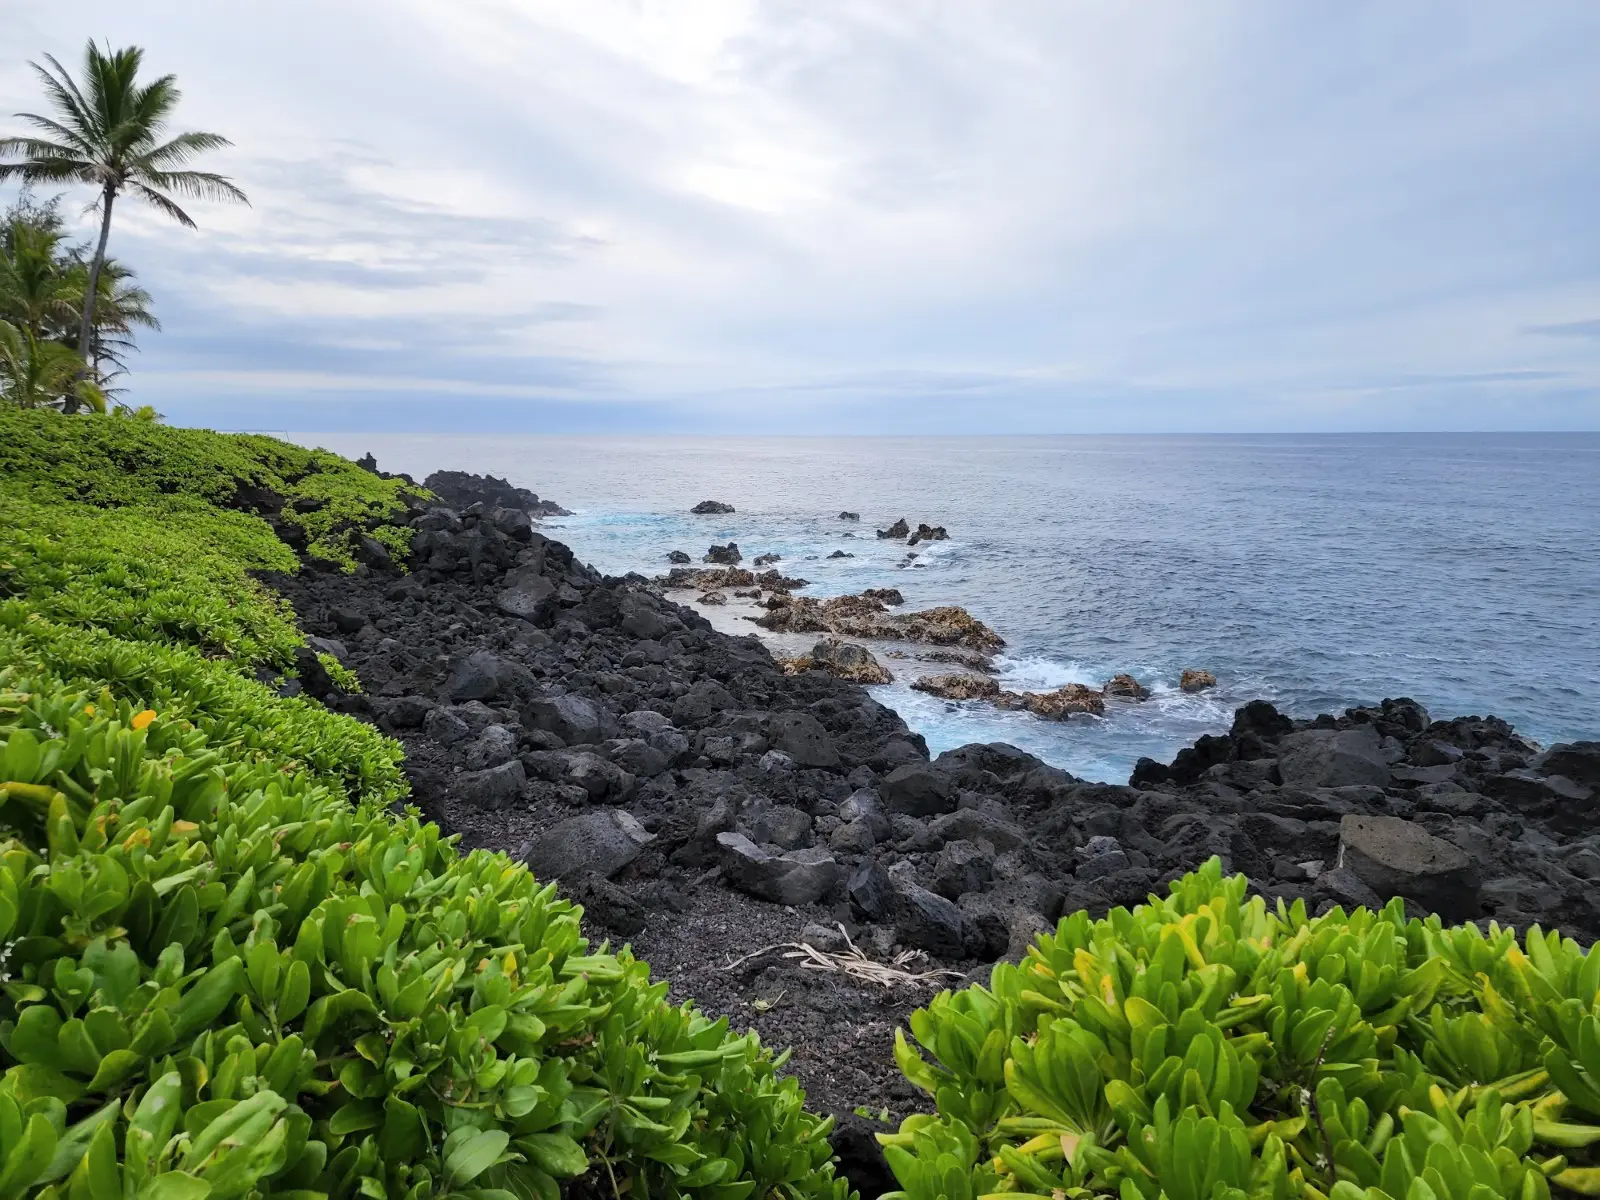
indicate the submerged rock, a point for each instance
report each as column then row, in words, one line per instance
column 866, row 617
column 706, row 579
column 1126, row 687
column 1074, row 698
column 846, row 660
column 847, row 515
column 957, row 686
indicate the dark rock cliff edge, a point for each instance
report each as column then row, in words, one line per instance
column 703, row 805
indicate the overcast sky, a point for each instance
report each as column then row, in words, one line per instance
column 869, row 215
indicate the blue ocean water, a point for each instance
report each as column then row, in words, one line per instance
column 1316, row 571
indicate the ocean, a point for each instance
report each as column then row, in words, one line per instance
column 1318, row 572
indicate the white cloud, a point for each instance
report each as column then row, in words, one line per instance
column 694, row 201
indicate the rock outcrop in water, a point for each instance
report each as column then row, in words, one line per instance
column 685, row 790
column 1194, row 680
column 711, row 508
column 923, row 533
column 842, row 660
column 729, row 577
column 1070, row 700
column 958, row 686
column 867, row 617
column 1073, row 699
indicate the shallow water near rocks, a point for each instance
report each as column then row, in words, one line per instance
column 1316, row 571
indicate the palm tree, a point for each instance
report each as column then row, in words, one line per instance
column 35, row 292
column 108, row 134
column 121, row 307
column 35, row 373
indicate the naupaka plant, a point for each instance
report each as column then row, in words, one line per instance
column 1208, row 1046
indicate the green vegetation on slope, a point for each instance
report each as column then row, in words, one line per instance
column 142, row 467
column 229, row 968
column 1206, row 1047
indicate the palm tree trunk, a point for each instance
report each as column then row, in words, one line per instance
column 90, row 294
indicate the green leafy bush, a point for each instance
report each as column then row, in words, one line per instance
column 229, row 967
column 1206, row 1047
column 201, row 945
column 172, row 569
column 129, row 463
column 238, row 716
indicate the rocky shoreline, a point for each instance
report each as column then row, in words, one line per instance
column 711, row 807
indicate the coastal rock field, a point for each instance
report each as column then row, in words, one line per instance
column 720, row 814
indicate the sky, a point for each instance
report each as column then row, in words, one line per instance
column 871, row 216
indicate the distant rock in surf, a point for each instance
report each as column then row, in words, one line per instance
column 868, row 617
column 842, row 660
column 1126, row 687
column 711, row 508
column 1193, row 680
column 958, row 686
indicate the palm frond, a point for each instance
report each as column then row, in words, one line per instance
column 149, row 108
column 201, row 185
column 110, row 77
column 181, row 149
column 61, row 89
column 51, row 168
column 90, row 396
column 157, row 200
column 70, row 142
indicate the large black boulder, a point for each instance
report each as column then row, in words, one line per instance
column 1577, row 761
column 918, row 790
column 603, row 840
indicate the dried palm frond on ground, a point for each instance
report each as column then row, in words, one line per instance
column 851, row 961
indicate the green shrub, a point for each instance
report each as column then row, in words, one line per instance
column 223, row 979
column 1206, row 1047
column 228, row 966
column 172, row 569
column 125, row 463
column 237, row 715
